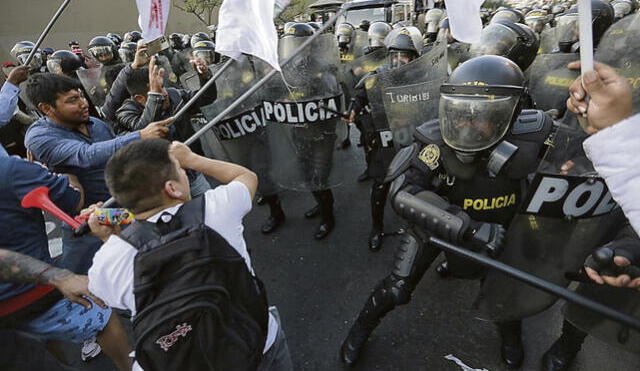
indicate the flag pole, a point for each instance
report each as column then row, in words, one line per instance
column 46, row 31
column 586, row 46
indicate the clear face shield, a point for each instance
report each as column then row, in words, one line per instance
column 126, row 55
column 102, row 54
column 474, row 122
column 399, row 58
column 568, row 31
column 209, row 56
column 536, row 23
column 496, row 39
column 36, row 61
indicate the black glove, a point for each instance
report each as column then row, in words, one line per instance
column 488, row 237
column 601, row 260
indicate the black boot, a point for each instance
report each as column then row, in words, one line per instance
column 375, row 239
column 276, row 218
column 377, row 306
column 562, row 353
column 511, row 351
column 327, row 221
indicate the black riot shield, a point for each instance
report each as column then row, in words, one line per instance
column 622, row 299
column 241, row 135
column 405, row 97
column 301, row 132
column 97, row 81
column 549, row 81
column 620, row 48
column 562, row 219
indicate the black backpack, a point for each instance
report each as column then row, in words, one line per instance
column 198, row 305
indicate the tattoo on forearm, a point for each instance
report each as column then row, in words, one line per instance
column 16, row 267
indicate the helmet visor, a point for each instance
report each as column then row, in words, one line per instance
column 621, row 9
column 474, row 123
column 568, row 29
column 399, row 58
column 127, row 55
column 102, row 53
column 36, row 61
column 209, row 56
column 496, row 39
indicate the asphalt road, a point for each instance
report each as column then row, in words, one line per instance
column 319, row 287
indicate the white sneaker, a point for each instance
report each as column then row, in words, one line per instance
column 90, row 349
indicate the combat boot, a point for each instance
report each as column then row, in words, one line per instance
column 511, row 350
column 562, row 353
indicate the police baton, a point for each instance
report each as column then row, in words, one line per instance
column 46, row 31
column 539, row 283
column 84, row 229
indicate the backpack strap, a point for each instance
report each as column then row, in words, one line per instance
column 144, row 235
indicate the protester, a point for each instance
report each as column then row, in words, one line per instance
column 32, row 290
column 163, row 206
column 69, row 140
column 9, row 93
column 613, row 146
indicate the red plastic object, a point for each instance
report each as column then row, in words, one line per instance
column 39, row 197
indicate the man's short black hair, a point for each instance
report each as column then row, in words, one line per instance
column 137, row 172
column 45, row 87
column 138, row 81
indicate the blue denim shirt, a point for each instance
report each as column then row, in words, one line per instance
column 23, row 230
column 66, row 150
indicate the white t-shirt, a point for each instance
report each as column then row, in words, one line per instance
column 111, row 275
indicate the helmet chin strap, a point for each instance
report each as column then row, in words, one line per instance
column 466, row 157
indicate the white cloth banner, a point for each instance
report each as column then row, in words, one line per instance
column 464, row 19
column 246, row 26
column 153, row 18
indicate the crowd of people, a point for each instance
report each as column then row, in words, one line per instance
column 494, row 146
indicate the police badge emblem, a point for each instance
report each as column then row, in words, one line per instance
column 430, row 155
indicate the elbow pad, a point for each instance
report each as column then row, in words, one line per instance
column 430, row 211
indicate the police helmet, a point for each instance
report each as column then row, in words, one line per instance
column 175, row 41
column 132, row 36
column 117, row 39
column 127, row 51
column 345, row 33
column 536, row 19
column 364, row 25
column 21, row 51
column 568, row 24
column 515, row 41
column 102, row 49
column 402, row 46
column 622, row 8
column 199, row 36
column 377, row 33
column 479, row 102
column 298, row 30
column 64, row 62
column 431, row 22
column 206, row 50
column 508, row 15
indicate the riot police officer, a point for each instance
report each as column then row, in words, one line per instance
column 401, row 50
column 479, row 151
column 515, row 41
column 21, row 51
column 117, row 39
column 568, row 29
column 132, row 37
column 537, row 19
column 199, row 36
column 104, row 50
column 127, row 52
column 345, row 33
column 376, row 34
column 205, row 50
column 64, row 62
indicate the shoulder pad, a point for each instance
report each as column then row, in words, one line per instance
column 429, row 133
column 360, row 83
column 529, row 121
column 401, row 162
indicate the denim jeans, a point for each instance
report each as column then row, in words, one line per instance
column 277, row 357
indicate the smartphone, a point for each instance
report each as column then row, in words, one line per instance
column 157, row 45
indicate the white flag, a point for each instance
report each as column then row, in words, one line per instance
column 464, row 19
column 153, row 17
column 246, row 26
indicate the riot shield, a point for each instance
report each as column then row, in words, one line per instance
column 97, row 82
column 622, row 299
column 457, row 52
column 548, row 41
column 620, row 48
column 405, row 97
column 241, row 135
column 562, row 219
column 351, row 73
column 549, row 80
column 301, row 132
